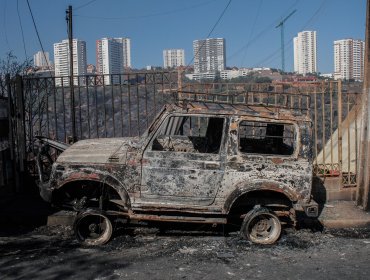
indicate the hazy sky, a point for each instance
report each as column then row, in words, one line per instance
column 153, row 25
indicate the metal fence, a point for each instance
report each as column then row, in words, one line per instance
column 333, row 107
column 3, row 87
column 336, row 116
column 124, row 105
column 104, row 106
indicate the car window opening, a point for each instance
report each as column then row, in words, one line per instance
column 192, row 134
column 266, row 138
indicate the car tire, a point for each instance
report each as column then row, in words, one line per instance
column 261, row 226
column 92, row 227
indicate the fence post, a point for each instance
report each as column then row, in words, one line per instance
column 11, row 134
column 179, row 84
column 363, row 188
column 340, row 138
column 17, row 140
column 20, row 135
column 21, row 132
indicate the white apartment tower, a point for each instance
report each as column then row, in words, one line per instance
column 349, row 59
column 113, row 56
column 41, row 59
column 305, row 52
column 126, row 49
column 173, row 58
column 61, row 60
column 209, row 55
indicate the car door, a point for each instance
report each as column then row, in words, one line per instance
column 183, row 162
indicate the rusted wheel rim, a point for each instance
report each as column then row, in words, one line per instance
column 261, row 227
column 93, row 228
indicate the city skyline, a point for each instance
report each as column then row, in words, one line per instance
column 248, row 28
column 113, row 56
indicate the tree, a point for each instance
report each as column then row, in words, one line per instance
column 10, row 65
column 33, row 101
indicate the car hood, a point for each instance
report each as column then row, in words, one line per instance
column 102, row 150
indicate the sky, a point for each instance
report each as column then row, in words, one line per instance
column 248, row 26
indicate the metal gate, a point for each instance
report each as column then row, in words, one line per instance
column 336, row 115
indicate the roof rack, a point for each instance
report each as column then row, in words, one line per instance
column 279, row 100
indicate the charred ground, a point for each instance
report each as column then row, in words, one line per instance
column 30, row 250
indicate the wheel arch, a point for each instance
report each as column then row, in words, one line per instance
column 112, row 185
column 259, row 190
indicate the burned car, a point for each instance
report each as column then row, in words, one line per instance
column 198, row 162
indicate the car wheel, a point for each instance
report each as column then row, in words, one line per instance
column 92, row 227
column 261, row 226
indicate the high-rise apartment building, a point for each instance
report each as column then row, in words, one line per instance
column 61, row 60
column 349, row 59
column 41, row 59
column 209, row 55
column 113, row 56
column 173, row 58
column 126, row 49
column 305, row 52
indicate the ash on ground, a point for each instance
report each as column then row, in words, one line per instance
column 142, row 252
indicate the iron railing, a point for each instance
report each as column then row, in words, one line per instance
column 105, row 106
column 124, row 105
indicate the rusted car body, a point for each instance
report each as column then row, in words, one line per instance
column 198, row 162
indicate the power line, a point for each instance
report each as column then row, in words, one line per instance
column 260, row 34
column 210, row 32
column 254, row 40
column 219, row 19
column 20, row 24
column 315, row 14
column 252, row 31
column 4, row 23
column 43, row 103
column 84, row 5
column 271, row 57
column 38, row 36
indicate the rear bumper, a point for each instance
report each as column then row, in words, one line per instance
column 311, row 209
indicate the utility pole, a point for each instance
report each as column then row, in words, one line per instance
column 179, row 82
column 71, row 85
column 363, row 181
column 281, row 25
